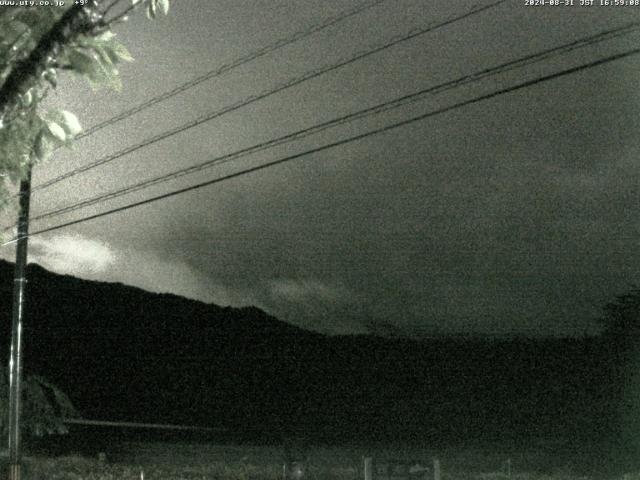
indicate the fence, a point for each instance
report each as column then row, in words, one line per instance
column 389, row 469
column 400, row 470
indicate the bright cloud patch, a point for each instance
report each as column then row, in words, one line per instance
column 314, row 304
column 170, row 275
column 71, row 254
column 95, row 260
column 301, row 290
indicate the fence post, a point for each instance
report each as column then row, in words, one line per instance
column 368, row 468
column 436, row 469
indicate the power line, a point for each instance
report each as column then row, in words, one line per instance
column 377, row 109
column 254, row 98
column 377, row 131
column 162, row 426
column 281, row 43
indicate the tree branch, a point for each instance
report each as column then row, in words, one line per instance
column 77, row 20
column 122, row 16
column 109, row 7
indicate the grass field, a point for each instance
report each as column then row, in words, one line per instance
column 173, row 461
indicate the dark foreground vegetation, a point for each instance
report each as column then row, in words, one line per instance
column 175, row 461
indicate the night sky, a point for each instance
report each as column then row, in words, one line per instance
column 514, row 215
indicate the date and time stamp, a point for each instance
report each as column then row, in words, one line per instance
column 581, row 3
column 527, row 3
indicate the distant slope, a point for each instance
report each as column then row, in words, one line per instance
column 124, row 353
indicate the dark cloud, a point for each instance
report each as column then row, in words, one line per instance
column 514, row 215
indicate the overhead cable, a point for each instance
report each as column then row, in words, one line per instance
column 374, row 110
column 392, row 126
column 254, row 98
column 217, row 72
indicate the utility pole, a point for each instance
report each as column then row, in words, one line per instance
column 83, row 17
column 15, row 356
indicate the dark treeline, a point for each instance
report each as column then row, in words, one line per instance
column 125, row 354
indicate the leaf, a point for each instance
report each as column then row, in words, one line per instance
column 27, row 98
column 43, row 146
column 164, row 6
column 39, row 20
column 119, row 50
column 82, row 62
column 111, row 53
column 106, row 36
column 70, row 123
column 151, row 9
column 111, row 77
column 103, row 55
column 67, row 121
column 51, row 76
column 14, row 30
column 57, row 131
column 116, row 84
column 100, row 72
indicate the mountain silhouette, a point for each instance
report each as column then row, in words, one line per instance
column 122, row 353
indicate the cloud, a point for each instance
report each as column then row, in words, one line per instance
column 72, row 254
column 91, row 259
column 170, row 275
column 304, row 290
column 312, row 303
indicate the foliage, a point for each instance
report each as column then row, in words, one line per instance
column 177, row 461
column 28, row 132
column 44, row 406
column 622, row 316
column 78, row 468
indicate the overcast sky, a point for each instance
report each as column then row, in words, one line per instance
column 518, row 214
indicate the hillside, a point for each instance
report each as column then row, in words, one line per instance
column 124, row 353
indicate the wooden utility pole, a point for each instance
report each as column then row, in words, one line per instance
column 79, row 18
column 15, row 356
